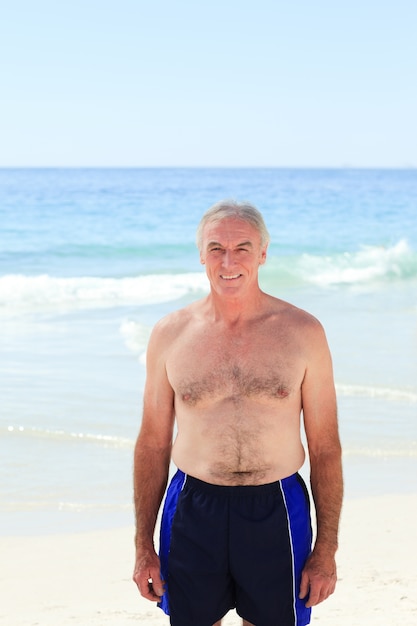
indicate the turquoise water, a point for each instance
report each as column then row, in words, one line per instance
column 90, row 259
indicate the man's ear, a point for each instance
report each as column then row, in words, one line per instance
column 263, row 255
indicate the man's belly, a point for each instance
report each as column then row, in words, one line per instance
column 231, row 463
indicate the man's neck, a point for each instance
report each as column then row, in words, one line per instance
column 232, row 311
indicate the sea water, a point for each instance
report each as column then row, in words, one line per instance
column 90, row 259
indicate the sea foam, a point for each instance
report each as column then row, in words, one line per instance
column 66, row 436
column 368, row 265
column 34, row 293
column 385, row 393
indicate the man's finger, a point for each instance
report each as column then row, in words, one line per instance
column 304, row 586
column 156, row 587
column 151, row 588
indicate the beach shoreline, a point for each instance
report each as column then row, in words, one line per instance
column 91, row 259
column 85, row 577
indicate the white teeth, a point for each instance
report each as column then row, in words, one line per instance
column 230, row 277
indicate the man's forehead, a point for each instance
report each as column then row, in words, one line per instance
column 230, row 229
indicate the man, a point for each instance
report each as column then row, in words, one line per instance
column 235, row 370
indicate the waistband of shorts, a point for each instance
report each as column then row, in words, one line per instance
column 190, row 482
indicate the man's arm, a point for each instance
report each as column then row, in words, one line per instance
column 151, row 466
column 320, row 420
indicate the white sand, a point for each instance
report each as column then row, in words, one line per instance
column 84, row 579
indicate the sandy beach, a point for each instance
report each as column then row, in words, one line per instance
column 85, row 578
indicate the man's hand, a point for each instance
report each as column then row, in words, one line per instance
column 318, row 579
column 147, row 576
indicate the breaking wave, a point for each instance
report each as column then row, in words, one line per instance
column 370, row 265
column 35, row 293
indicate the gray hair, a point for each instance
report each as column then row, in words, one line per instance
column 232, row 209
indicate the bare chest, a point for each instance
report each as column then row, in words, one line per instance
column 207, row 368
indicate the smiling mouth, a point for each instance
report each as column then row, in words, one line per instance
column 230, row 277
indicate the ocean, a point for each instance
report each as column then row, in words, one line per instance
column 90, row 259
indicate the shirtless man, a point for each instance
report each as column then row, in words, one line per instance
column 235, row 370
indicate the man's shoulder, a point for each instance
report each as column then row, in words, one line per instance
column 296, row 322
column 174, row 322
column 293, row 314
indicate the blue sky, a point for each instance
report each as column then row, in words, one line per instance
column 215, row 83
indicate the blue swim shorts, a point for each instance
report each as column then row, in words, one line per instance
column 240, row 547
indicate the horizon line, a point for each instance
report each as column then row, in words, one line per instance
column 213, row 167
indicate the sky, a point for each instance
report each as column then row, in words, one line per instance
column 214, row 83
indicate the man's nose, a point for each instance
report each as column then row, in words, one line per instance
column 228, row 258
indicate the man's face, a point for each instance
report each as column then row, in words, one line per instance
column 232, row 254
